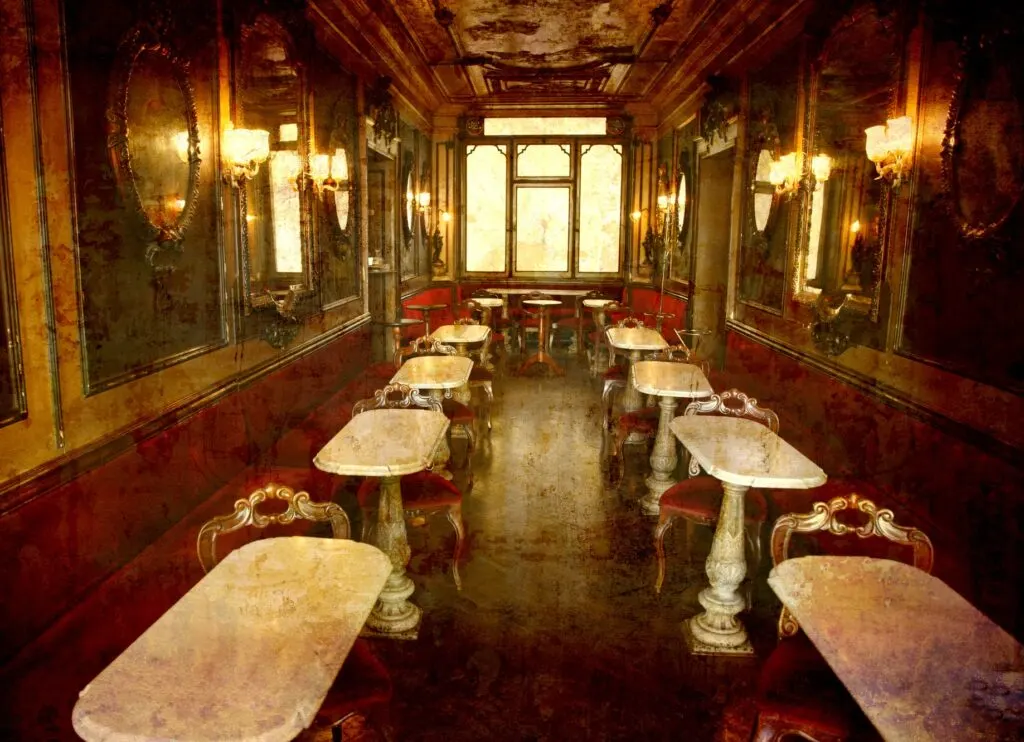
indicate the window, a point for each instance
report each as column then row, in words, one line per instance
column 543, row 205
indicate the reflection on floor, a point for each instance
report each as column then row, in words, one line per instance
column 557, row 633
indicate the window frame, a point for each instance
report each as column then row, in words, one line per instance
column 513, row 181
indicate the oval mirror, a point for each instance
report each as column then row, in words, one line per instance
column 764, row 191
column 342, row 196
column 153, row 135
column 983, row 149
column 410, row 202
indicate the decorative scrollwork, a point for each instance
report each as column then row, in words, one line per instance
column 163, row 239
column 300, row 507
column 396, row 396
column 734, row 403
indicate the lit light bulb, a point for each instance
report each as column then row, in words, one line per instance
column 635, row 216
column 821, row 166
column 423, row 199
column 855, row 227
column 446, row 217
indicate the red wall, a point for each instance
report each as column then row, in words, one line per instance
column 969, row 501
column 59, row 545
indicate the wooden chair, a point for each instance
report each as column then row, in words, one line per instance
column 698, row 499
column 797, row 692
column 423, row 493
column 615, row 377
column 363, row 685
column 645, row 420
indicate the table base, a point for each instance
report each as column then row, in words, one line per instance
column 393, row 614
column 544, row 358
column 651, row 502
column 696, row 646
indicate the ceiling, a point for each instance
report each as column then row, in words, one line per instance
column 546, row 54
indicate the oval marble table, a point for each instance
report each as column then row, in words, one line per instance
column 634, row 340
column 741, row 454
column 248, row 653
column 389, row 444
column 669, row 382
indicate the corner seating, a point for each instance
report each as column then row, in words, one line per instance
column 209, row 461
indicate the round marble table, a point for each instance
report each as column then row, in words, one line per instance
column 426, row 309
column 597, row 307
column 542, row 355
column 487, row 304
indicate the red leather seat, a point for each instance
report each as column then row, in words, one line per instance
column 700, row 499
column 457, row 413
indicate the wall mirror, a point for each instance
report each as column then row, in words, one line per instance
column 854, row 85
column 274, row 202
column 771, row 132
column 681, row 269
column 153, row 136
column 408, row 212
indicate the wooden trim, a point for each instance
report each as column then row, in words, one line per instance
column 28, row 486
column 887, row 395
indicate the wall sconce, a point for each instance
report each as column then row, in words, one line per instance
column 321, row 172
column 889, row 147
column 244, row 151
column 785, row 173
column 821, row 167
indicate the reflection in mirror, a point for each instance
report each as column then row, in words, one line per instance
column 270, row 97
column 153, row 135
column 854, row 86
column 764, row 191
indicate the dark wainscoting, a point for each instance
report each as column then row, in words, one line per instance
column 969, row 498
column 62, row 541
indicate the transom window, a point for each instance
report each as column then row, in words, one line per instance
column 542, row 206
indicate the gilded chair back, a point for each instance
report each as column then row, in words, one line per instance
column 427, row 346
column 879, row 524
column 733, row 403
column 247, row 513
column 394, row 397
column 680, row 354
column 626, row 321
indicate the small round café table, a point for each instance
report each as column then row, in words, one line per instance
column 542, row 355
column 396, row 333
column 487, row 304
column 596, row 307
column 426, row 309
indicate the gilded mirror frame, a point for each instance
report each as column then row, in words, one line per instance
column 163, row 240
column 864, row 296
column 285, row 301
column 975, row 66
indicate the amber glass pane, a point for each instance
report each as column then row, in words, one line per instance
column 287, row 222
column 600, row 208
column 527, row 126
column 486, row 170
column 542, row 161
column 542, row 229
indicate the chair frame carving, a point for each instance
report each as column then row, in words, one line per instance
column 396, row 396
column 300, row 507
column 716, row 404
column 428, row 345
column 822, row 517
column 630, row 321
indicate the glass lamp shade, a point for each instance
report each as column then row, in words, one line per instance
column 899, row 134
column 245, row 146
column 320, row 168
column 777, row 173
column 876, row 143
column 821, row 166
column 423, row 199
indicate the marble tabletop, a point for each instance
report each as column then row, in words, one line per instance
column 487, row 301
column 907, row 647
column 434, row 372
column 668, row 379
column 249, row 653
column 597, row 303
column 461, row 333
column 386, row 442
column 425, row 307
column 542, row 302
column 746, row 453
column 636, row 338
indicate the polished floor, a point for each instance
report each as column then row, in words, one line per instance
column 557, row 633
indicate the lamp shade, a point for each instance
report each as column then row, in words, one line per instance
column 821, row 166
column 875, row 144
column 899, row 134
column 320, row 167
column 243, row 146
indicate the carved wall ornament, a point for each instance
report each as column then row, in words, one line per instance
column 153, row 138
column 983, row 143
column 382, row 111
column 721, row 105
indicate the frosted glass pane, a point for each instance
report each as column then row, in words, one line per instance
column 542, row 229
column 542, row 160
column 284, row 166
column 600, row 209
column 486, row 169
column 567, row 126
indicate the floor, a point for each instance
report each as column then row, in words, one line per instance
column 557, row 632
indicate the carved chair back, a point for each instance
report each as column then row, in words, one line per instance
column 879, row 524
column 394, row 397
column 627, row 321
column 299, row 507
column 427, row 345
column 469, row 309
column 680, row 354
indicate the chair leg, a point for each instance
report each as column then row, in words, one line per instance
column 620, row 441
column 489, row 391
column 664, row 523
column 364, row 532
column 606, row 400
column 455, row 518
column 753, row 533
